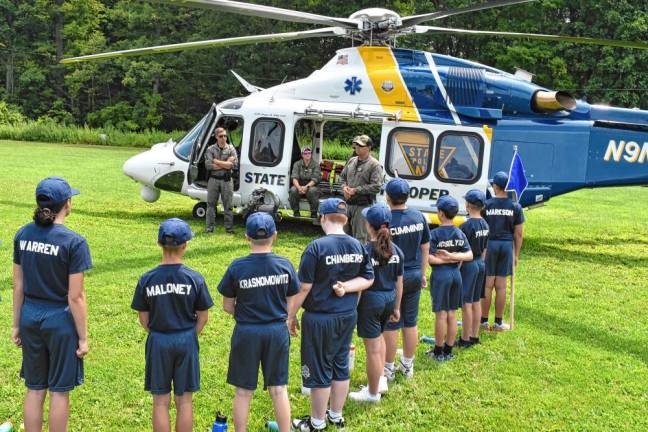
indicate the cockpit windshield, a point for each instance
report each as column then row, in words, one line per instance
column 183, row 148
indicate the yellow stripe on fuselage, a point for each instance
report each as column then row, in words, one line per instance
column 381, row 67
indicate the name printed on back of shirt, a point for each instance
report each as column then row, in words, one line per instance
column 260, row 281
column 38, row 247
column 450, row 243
column 395, row 259
column 481, row 233
column 499, row 212
column 343, row 259
column 170, row 288
column 406, row 229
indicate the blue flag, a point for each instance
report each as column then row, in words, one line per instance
column 517, row 180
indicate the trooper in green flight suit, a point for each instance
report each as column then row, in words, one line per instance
column 305, row 176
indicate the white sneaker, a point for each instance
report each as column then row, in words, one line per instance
column 501, row 327
column 390, row 374
column 305, row 391
column 383, row 387
column 407, row 371
column 363, row 395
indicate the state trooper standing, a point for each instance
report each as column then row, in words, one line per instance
column 220, row 159
column 361, row 182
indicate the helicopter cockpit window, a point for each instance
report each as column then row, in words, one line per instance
column 458, row 157
column 409, row 153
column 183, row 148
column 266, row 148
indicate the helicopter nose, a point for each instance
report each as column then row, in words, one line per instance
column 139, row 168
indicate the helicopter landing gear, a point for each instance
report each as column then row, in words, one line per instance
column 200, row 210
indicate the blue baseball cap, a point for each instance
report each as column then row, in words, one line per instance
column 333, row 205
column 475, row 196
column 174, row 232
column 397, row 188
column 500, row 179
column 377, row 215
column 447, row 203
column 260, row 225
column 54, row 190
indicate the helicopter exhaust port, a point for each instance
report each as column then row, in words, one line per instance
column 543, row 101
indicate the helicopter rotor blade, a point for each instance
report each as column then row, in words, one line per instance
column 241, row 40
column 417, row 19
column 263, row 11
column 559, row 38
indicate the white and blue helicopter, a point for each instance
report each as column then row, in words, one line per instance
column 447, row 124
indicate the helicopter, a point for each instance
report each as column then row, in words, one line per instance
column 446, row 124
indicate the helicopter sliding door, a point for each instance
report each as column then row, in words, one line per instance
column 199, row 146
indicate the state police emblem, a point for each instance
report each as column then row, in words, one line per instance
column 387, row 86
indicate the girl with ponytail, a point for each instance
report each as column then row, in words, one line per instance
column 381, row 302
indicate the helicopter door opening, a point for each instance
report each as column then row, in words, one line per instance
column 196, row 171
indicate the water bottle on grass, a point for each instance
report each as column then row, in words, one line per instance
column 272, row 426
column 8, row 427
column 352, row 352
column 220, row 424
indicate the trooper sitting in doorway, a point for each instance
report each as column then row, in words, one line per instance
column 305, row 176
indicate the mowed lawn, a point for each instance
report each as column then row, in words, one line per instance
column 577, row 360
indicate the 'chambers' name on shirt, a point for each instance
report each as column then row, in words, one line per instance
column 343, row 259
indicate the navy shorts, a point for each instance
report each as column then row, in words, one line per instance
column 268, row 344
column 409, row 306
column 49, row 344
column 445, row 288
column 325, row 341
column 499, row 258
column 374, row 311
column 172, row 357
column 472, row 278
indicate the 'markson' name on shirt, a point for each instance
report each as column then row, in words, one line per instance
column 170, row 288
column 343, row 259
column 406, row 229
column 260, row 281
column 38, row 247
column 499, row 212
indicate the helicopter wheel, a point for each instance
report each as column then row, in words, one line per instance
column 200, row 210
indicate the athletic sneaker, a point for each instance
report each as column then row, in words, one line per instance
column 305, row 425
column 363, row 395
column 485, row 326
column 390, row 374
column 337, row 422
column 383, row 387
column 464, row 343
column 437, row 357
column 407, row 371
column 501, row 327
column 305, row 391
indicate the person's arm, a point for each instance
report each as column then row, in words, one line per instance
column 395, row 316
column 209, row 159
column 296, row 184
column 357, row 284
column 317, row 175
column 144, row 319
column 18, row 300
column 518, row 234
column 202, row 316
column 228, row 305
column 77, row 303
column 375, row 182
column 436, row 260
column 450, row 257
column 425, row 251
column 226, row 164
column 294, row 303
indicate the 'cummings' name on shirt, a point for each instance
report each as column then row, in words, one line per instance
column 261, row 281
column 450, row 243
column 343, row 259
column 406, row 229
column 170, row 288
column 38, row 247
column 499, row 212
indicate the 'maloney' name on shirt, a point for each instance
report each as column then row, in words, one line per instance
column 499, row 212
column 395, row 259
column 38, row 247
column 343, row 259
column 259, row 281
column 169, row 288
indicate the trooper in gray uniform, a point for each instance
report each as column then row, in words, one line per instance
column 361, row 182
column 220, row 159
column 305, row 176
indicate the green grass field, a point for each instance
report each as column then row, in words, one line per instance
column 577, row 360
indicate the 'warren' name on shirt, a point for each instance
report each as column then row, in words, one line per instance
column 38, row 247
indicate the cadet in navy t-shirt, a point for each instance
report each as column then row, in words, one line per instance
column 51, row 323
column 448, row 247
column 473, row 272
column 381, row 301
column 336, row 261
column 411, row 233
column 505, row 220
column 173, row 302
column 255, row 290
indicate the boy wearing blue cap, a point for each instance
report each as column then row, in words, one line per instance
column 333, row 270
column 49, row 308
column 473, row 272
column 411, row 233
column 255, row 290
column 380, row 303
column 448, row 247
column 173, row 302
column 505, row 219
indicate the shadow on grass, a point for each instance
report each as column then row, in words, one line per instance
column 553, row 249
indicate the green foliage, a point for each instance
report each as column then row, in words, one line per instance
column 10, row 115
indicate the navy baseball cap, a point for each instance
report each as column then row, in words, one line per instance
column 377, row 215
column 174, row 232
column 54, row 190
column 397, row 188
column 447, row 203
column 475, row 196
column 333, row 205
column 500, row 179
column 260, row 226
